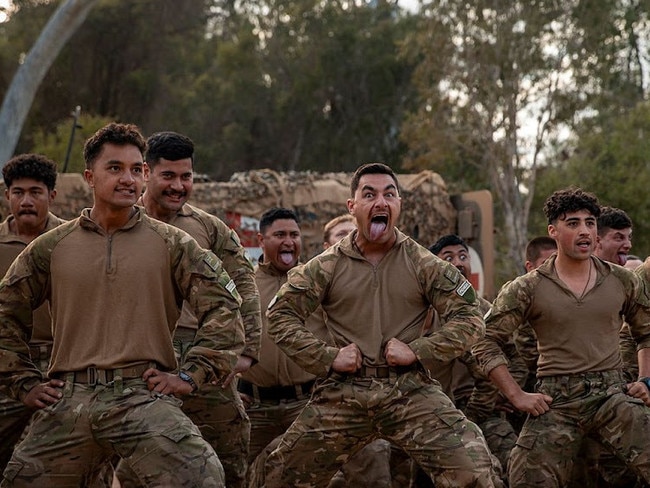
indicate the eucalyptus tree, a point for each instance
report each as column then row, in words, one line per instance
column 501, row 83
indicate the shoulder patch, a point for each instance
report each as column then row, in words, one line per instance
column 231, row 286
column 212, row 261
column 452, row 275
column 462, row 288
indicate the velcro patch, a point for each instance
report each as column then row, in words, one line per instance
column 212, row 261
column 231, row 286
column 452, row 274
column 462, row 288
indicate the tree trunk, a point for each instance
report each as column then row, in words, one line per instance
column 29, row 75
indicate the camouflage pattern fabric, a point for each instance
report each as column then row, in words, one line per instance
column 220, row 416
column 92, row 424
column 14, row 415
column 628, row 352
column 410, row 411
column 586, row 403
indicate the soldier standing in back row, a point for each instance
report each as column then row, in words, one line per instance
column 115, row 279
column 376, row 286
column 575, row 303
column 29, row 181
column 216, row 409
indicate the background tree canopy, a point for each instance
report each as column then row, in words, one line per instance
column 521, row 97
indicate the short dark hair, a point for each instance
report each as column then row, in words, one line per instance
column 447, row 240
column 34, row 166
column 571, row 199
column 276, row 213
column 371, row 169
column 538, row 244
column 113, row 133
column 612, row 218
column 168, row 145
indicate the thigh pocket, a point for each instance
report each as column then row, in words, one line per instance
column 526, row 440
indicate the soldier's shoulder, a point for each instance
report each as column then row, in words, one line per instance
column 54, row 235
column 172, row 235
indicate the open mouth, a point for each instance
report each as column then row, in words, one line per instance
column 286, row 257
column 378, row 225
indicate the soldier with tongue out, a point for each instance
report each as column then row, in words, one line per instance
column 376, row 286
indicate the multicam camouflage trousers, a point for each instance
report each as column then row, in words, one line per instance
column 589, row 403
column 219, row 414
column 409, row 410
column 67, row 441
column 14, row 415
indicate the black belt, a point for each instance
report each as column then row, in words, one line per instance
column 275, row 393
column 384, row 371
column 93, row 376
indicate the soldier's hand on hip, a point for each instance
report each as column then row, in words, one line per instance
column 348, row 359
column 535, row 404
column 639, row 390
column 243, row 364
column 166, row 383
column 397, row 353
column 44, row 394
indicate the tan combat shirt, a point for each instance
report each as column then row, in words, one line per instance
column 115, row 300
column 11, row 245
column 574, row 335
column 213, row 234
column 368, row 305
column 274, row 367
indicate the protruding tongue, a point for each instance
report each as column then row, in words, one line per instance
column 377, row 229
column 286, row 257
column 622, row 259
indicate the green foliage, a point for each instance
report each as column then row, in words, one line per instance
column 612, row 161
column 55, row 144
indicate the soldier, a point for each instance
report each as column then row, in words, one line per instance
column 336, row 229
column 376, row 286
column 115, row 279
column 574, row 302
column 538, row 250
column 217, row 410
column 29, row 181
column 275, row 389
column 482, row 401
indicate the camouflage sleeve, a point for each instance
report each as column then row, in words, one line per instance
column 22, row 290
column 506, row 315
column 214, row 299
column 240, row 269
column 525, row 341
column 288, row 311
column 453, row 297
column 637, row 307
column 627, row 345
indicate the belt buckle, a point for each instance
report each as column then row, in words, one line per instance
column 91, row 374
column 98, row 376
column 372, row 371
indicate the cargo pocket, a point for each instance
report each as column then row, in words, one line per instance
column 526, row 440
column 178, row 432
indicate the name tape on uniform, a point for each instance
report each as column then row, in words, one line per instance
column 462, row 288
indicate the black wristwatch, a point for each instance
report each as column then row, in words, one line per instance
column 646, row 381
column 187, row 378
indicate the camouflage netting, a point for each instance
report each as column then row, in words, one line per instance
column 427, row 212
